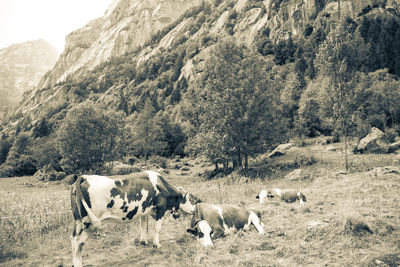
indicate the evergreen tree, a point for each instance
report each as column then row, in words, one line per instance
column 148, row 135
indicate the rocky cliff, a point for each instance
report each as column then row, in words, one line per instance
column 126, row 26
column 21, row 67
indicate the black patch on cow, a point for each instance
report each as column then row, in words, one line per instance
column 84, row 188
column 131, row 187
column 79, row 191
column 87, row 224
column 123, row 207
column 110, row 204
column 74, row 232
column 132, row 213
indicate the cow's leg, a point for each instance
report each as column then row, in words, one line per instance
column 255, row 220
column 144, row 229
column 78, row 238
column 156, row 240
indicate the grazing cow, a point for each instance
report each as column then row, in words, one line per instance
column 95, row 199
column 214, row 221
column 287, row 195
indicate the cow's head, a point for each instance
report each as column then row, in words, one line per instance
column 301, row 197
column 203, row 232
column 180, row 202
column 263, row 195
column 184, row 201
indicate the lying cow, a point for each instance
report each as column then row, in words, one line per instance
column 287, row 195
column 214, row 221
column 95, row 199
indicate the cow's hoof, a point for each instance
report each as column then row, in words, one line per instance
column 144, row 243
column 156, row 246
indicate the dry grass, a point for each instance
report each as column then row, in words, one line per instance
column 322, row 232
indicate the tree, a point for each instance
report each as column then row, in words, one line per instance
column 339, row 58
column 88, row 137
column 235, row 110
column 19, row 159
column 148, row 137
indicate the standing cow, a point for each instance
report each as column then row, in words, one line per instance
column 95, row 199
column 214, row 221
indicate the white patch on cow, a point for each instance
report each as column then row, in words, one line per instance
column 278, row 192
column 187, row 207
column 300, row 197
column 263, row 195
column 153, row 177
column 100, row 195
column 99, row 192
column 227, row 230
column 205, row 228
column 253, row 218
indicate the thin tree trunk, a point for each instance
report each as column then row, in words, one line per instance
column 345, row 151
column 240, row 165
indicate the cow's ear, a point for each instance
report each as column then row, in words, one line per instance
column 192, row 231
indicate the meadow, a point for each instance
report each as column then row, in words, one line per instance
column 36, row 222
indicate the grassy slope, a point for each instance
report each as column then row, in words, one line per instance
column 309, row 235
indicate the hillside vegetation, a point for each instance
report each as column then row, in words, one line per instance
column 205, row 86
column 329, row 229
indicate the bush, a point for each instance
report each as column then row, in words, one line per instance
column 5, row 146
column 20, row 160
column 390, row 135
column 160, row 161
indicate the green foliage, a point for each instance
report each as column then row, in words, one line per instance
column 88, row 137
column 232, row 106
column 20, row 160
column 148, row 137
column 5, row 146
column 41, row 129
column 339, row 59
column 382, row 33
column 231, row 21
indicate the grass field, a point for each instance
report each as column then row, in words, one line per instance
column 35, row 221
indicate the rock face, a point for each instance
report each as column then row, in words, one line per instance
column 280, row 150
column 126, row 26
column 48, row 173
column 373, row 142
column 21, row 67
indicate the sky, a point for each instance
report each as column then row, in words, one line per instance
column 50, row 20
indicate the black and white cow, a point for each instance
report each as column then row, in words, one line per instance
column 96, row 199
column 214, row 221
column 287, row 195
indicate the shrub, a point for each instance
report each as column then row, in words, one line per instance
column 160, row 161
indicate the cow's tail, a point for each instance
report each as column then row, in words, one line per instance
column 82, row 204
column 93, row 218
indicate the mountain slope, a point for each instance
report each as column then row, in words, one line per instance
column 153, row 48
column 21, row 67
